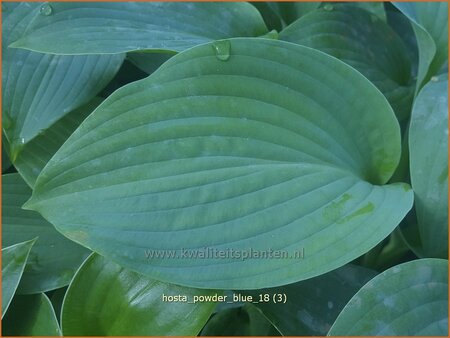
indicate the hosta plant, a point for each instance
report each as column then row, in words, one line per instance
column 224, row 168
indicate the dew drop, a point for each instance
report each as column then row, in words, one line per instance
column 435, row 79
column 46, row 9
column 222, row 49
column 328, row 7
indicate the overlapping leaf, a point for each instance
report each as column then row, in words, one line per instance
column 35, row 154
column 410, row 233
column 363, row 41
column 38, row 89
column 405, row 300
column 105, row 299
column 312, row 306
column 430, row 24
column 235, row 145
column 53, row 259
column 428, row 146
column 31, row 315
column 82, row 28
column 14, row 259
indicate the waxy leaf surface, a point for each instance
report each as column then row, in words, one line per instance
column 243, row 145
column 117, row 27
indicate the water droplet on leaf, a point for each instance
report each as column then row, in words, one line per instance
column 46, row 9
column 222, row 49
column 435, row 79
column 328, row 7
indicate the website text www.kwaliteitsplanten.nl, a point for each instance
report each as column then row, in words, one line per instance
column 228, row 253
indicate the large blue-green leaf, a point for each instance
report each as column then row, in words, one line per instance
column 53, row 259
column 14, row 259
column 36, row 153
column 430, row 24
column 363, row 41
column 105, row 299
column 312, row 306
column 428, row 147
column 245, row 320
column 31, row 315
column 409, row 299
column 244, row 144
column 117, row 27
column 38, row 89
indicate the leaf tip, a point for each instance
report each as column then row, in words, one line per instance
column 406, row 187
column 16, row 148
column 30, row 204
column 16, row 44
